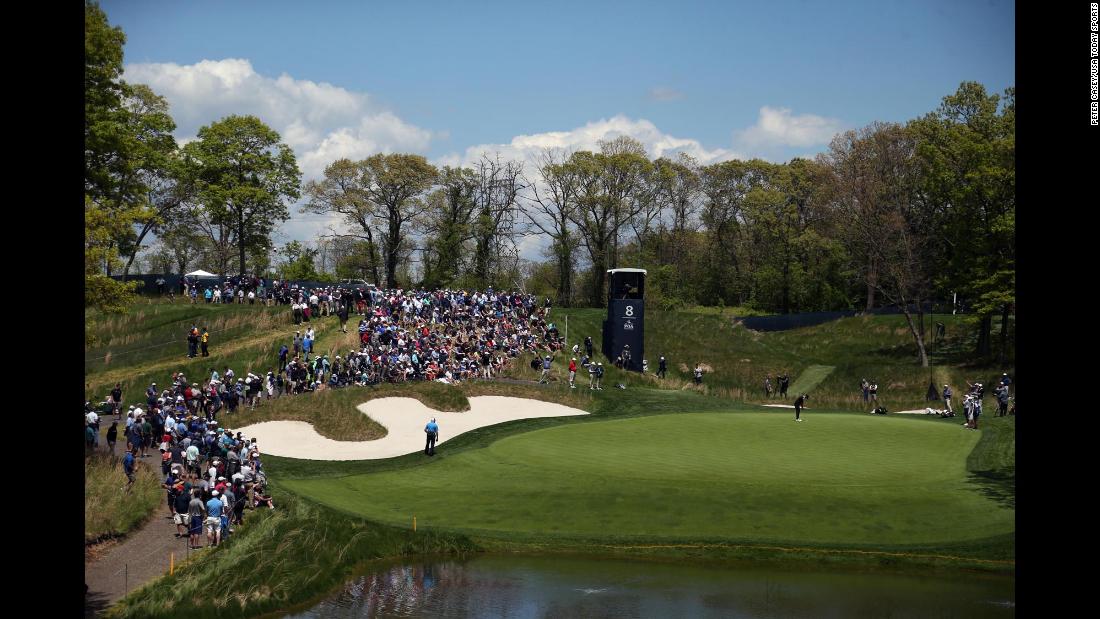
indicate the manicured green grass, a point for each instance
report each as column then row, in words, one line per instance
column 836, row 479
column 809, row 378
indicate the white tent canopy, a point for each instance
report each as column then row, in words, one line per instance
column 200, row 273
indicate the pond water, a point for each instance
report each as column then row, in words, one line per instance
column 537, row 587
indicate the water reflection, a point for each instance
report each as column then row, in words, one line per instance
column 537, row 587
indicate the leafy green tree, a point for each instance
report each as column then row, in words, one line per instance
column 342, row 191
column 298, row 262
column 967, row 150
column 448, row 224
column 245, row 179
column 396, row 183
column 160, row 170
column 610, row 184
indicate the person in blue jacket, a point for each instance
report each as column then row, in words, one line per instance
column 432, row 430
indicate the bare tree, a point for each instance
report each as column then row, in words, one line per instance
column 548, row 206
column 498, row 185
column 342, row 192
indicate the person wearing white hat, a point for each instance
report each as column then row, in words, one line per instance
column 214, row 518
column 573, row 372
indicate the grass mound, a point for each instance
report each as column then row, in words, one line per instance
column 878, row 348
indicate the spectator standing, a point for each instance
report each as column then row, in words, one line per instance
column 626, row 357
column 599, row 376
column 196, row 510
column 205, row 340
column 128, row 467
column 112, row 436
column 662, row 367
column 873, row 392
column 193, row 342
column 699, row 373
column 866, row 388
column 545, row 378
column 591, row 375
column 342, row 314
column 784, row 383
column 768, row 386
column 946, row 397
column 116, row 400
column 1002, row 399
column 588, row 346
column 214, row 518
column 573, row 373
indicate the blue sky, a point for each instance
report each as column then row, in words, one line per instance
column 450, row 79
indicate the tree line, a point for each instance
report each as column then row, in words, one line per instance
column 892, row 213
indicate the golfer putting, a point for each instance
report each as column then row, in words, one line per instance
column 432, row 430
column 798, row 405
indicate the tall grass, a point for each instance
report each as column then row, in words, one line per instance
column 280, row 558
column 878, row 348
column 109, row 509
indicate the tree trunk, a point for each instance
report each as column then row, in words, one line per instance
column 240, row 241
column 872, row 280
column 137, row 246
column 1004, row 334
column 565, row 274
column 984, row 336
column 393, row 243
column 599, row 278
column 917, row 335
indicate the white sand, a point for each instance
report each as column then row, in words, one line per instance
column 916, row 412
column 404, row 418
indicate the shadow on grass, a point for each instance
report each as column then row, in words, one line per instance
column 998, row 485
column 95, row 603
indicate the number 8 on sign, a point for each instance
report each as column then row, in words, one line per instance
column 629, row 310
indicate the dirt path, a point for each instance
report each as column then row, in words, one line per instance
column 142, row 556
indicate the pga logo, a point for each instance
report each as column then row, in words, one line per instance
column 628, row 325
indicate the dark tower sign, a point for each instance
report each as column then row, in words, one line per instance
column 625, row 317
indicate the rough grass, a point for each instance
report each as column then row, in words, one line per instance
column 279, row 558
column 878, row 348
column 109, row 511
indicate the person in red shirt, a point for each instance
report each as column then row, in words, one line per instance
column 572, row 373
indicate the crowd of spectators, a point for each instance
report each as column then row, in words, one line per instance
column 446, row 335
column 211, row 475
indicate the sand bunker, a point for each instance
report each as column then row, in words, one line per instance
column 404, row 419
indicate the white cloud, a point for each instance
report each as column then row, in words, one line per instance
column 526, row 148
column 777, row 127
column 321, row 122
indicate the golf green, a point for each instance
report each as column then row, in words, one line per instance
column 836, row 478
